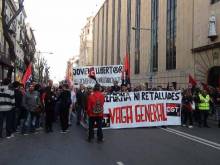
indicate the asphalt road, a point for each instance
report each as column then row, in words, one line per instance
column 142, row 146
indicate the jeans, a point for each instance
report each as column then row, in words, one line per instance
column 29, row 123
column 8, row 116
column 14, row 120
column 187, row 115
column 49, row 116
column 64, row 117
column 18, row 112
column 56, row 110
column 217, row 107
column 202, row 117
column 98, row 121
column 79, row 111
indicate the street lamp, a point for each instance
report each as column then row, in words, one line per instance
column 151, row 69
column 135, row 28
column 44, row 52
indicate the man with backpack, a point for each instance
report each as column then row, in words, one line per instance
column 95, row 110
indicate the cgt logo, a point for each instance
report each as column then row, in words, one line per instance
column 173, row 109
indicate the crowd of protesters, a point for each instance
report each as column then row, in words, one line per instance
column 31, row 108
column 198, row 104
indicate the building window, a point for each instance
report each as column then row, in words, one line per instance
column 102, row 42
column 128, row 47
column 137, row 37
column 214, row 1
column 171, row 35
column 113, row 32
column 93, row 43
column 119, row 32
column 97, row 62
column 154, row 35
column 106, row 34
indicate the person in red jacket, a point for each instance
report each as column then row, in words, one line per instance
column 95, row 110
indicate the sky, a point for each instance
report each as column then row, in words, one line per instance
column 57, row 25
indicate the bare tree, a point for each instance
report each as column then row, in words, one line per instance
column 46, row 74
column 41, row 66
column 7, row 32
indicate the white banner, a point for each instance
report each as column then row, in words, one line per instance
column 105, row 75
column 142, row 109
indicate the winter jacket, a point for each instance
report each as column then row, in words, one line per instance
column 49, row 100
column 187, row 103
column 217, row 98
column 65, row 100
column 81, row 98
column 93, row 99
column 18, row 98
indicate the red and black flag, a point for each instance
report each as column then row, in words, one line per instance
column 192, row 81
column 27, row 78
column 126, row 71
column 92, row 73
column 168, row 86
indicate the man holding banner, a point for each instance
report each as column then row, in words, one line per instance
column 95, row 112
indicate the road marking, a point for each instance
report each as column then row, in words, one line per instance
column 193, row 138
column 120, row 163
column 196, row 137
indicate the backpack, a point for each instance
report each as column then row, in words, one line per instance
column 98, row 108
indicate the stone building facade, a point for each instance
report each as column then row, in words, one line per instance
column 86, row 56
column 23, row 40
column 166, row 40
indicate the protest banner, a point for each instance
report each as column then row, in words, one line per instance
column 105, row 75
column 142, row 109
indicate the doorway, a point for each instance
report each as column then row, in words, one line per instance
column 214, row 76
